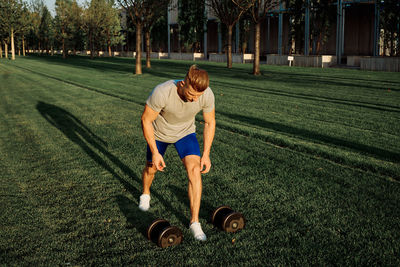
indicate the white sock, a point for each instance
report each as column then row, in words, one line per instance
column 197, row 232
column 144, row 203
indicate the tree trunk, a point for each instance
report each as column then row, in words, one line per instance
column 392, row 44
column 109, row 44
column 12, row 45
column 91, row 45
column 63, row 45
column 319, row 43
column 23, row 45
column 148, row 64
column 229, row 50
column 6, row 49
column 138, row 68
column 256, row 61
column 1, row 49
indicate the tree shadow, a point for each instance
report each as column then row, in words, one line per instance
column 311, row 135
column 282, row 74
column 110, row 64
column 347, row 102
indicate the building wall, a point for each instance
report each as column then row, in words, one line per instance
column 329, row 47
column 272, row 48
column 358, row 34
column 212, row 36
column 359, row 30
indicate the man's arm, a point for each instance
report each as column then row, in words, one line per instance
column 148, row 117
column 209, row 132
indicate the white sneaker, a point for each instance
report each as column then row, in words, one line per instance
column 144, row 204
column 197, row 232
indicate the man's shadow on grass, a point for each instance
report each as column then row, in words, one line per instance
column 95, row 147
column 81, row 135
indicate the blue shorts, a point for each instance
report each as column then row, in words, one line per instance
column 186, row 146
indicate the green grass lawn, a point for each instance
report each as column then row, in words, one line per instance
column 310, row 156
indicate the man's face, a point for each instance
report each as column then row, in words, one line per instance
column 190, row 94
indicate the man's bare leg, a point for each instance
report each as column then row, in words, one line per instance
column 192, row 164
column 147, row 179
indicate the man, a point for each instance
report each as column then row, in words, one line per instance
column 169, row 118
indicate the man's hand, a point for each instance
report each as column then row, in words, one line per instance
column 205, row 162
column 158, row 161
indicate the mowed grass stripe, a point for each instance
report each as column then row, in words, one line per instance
column 366, row 146
column 281, row 78
column 275, row 177
column 319, row 109
column 337, row 155
column 288, row 94
column 295, row 82
column 95, row 74
column 317, row 112
column 330, row 130
column 79, row 85
column 300, row 208
column 45, row 198
column 366, row 142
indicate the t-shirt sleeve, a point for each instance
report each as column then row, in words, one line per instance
column 157, row 99
column 208, row 101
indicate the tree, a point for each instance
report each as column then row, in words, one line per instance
column 296, row 12
column 112, row 27
column 259, row 10
column 93, row 21
column 136, row 10
column 158, row 33
column 322, row 16
column 155, row 11
column 3, row 29
column 25, row 25
column 229, row 12
column 389, row 22
column 2, row 38
column 77, row 27
column 143, row 14
column 191, row 21
column 102, row 25
column 63, row 23
column 11, row 13
column 46, row 29
column 245, row 27
column 36, row 9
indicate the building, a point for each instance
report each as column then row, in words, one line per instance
column 354, row 32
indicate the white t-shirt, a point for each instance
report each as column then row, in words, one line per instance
column 176, row 118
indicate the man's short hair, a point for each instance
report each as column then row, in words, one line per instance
column 197, row 78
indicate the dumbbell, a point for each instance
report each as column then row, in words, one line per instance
column 227, row 220
column 163, row 234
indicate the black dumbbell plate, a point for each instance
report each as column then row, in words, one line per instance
column 155, row 229
column 170, row 236
column 234, row 222
column 219, row 213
